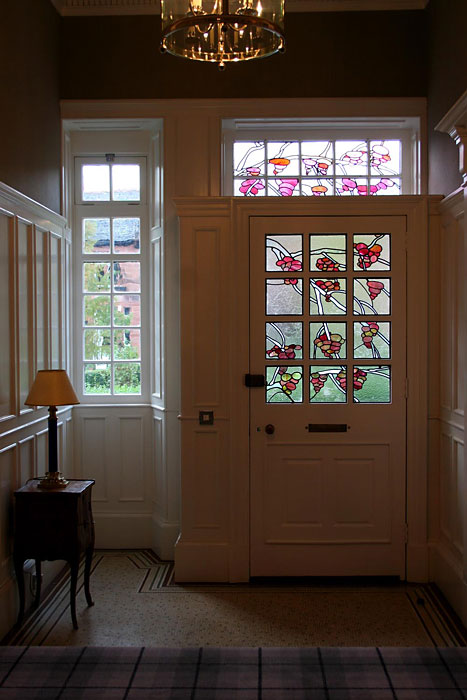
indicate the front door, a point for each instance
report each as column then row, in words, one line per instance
column 328, row 429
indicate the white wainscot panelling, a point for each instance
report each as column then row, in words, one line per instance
column 131, row 458
column 93, row 453
column 6, row 318
column 7, row 584
column 42, row 459
column 452, row 488
column 26, row 454
column 24, row 309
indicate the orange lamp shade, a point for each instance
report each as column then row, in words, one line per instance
column 51, row 387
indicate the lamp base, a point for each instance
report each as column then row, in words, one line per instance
column 52, row 480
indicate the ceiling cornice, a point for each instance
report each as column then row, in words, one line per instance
column 76, row 8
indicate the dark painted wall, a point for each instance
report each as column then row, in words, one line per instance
column 29, row 88
column 328, row 54
column 447, row 82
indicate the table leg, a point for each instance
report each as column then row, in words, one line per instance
column 38, row 583
column 74, row 565
column 87, row 574
column 19, row 562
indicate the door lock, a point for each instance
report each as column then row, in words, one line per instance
column 269, row 429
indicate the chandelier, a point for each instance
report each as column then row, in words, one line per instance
column 222, row 31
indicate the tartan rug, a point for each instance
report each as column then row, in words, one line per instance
column 214, row 673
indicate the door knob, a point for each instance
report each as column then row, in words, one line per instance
column 269, row 429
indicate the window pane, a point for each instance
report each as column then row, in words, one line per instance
column 372, row 340
column 327, row 296
column 385, row 157
column 284, row 384
column 351, row 157
column 249, row 158
column 385, row 186
column 372, row 296
column 317, row 188
column 327, row 340
column 97, row 344
column 96, row 277
column 97, row 310
column 352, row 186
column 284, row 253
column 283, row 158
column 249, row 187
column 95, row 183
column 284, row 297
column 284, row 187
column 126, row 235
column 372, row 251
column 127, row 310
column 96, row 236
column 372, row 384
column 317, row 158
column 127, row 378
column 327, row 252
column 97, row 379
column 126, row 185
column 127, row 344
column 328, row 384
column 284, row 341
column 127, row 277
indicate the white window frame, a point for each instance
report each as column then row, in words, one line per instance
column 407, row 130
column 111, row 209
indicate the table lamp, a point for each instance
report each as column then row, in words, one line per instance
column 52, row 388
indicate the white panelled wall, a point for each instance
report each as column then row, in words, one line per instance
column 448, row 374
column 34, row 289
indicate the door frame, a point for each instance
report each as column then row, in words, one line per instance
column 217, row 549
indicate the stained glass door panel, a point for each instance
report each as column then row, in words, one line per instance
column 328, row 480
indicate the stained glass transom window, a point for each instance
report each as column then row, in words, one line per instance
column 347, row 168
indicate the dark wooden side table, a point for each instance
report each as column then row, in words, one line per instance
column 54, row 524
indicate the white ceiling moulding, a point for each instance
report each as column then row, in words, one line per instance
column 74, row 8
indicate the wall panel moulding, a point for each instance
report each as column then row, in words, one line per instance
column 152, row 7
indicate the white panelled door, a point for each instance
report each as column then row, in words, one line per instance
column 328, row 429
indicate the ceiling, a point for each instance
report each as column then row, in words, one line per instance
column 70, row 8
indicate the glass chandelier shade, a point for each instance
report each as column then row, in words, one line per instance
column 222, row 31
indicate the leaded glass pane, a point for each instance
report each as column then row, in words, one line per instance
column 317, row 188
column 251, row 186
column 96, row 235
column 386, row 186
column 97, row 310
column 284, row 187
column 372, row 251
column 126, row 185
column 127, row 344
column 127, row 276
column 283, row 158
column 284, row 384
column 284, row 297
column 372, row 384
column 97, row 344
column 127, row 378
column 351, row 157
column 352, row 186
column 127, row 310
column 328, row 252
column 96, row 277
column 372, row 296
column 328, row 296
column 372, row 339
column 284, row 253
column 95, row 183
column 97, row 378
column 385, row 157
column 284, row 341
column 328, row 384
column 327, row 340
column 126, row 234
column 317, row 158
column 249, row 158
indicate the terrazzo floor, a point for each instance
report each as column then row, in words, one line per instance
column 137, row 604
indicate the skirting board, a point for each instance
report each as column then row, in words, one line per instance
column 447, row 574
column 201, row 562
column 123, row 530
column 164, row 537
